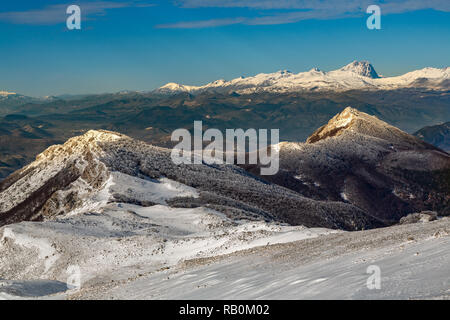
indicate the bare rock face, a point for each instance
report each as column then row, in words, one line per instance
column 335, row 126
column 57, row 182
column 362, row 68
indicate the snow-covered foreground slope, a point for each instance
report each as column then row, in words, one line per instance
column 356, row 75
column 413, row 262
column 112, row 242
column 231, row 261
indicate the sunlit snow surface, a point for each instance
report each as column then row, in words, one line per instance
column 110, row 239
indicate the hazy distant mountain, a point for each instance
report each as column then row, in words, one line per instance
column 9, row 101
column 21, row 139
column 438, row 135
column 354, row 76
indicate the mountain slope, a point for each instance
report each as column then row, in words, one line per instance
column 358, row 75
column 333, row 266
column 358, row 159
column 362, row 68
column 152, row 117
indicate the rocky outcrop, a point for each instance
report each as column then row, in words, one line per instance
column 57, row 182
column 424, row 216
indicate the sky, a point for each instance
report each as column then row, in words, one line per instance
column 141, row 45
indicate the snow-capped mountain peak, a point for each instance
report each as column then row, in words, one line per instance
column 173, row 87
column 362, row 68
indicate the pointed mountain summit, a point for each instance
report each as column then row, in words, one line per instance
column 351, row 120
column 369, row 163
column 362, row 68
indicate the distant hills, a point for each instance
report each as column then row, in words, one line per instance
column 9, row 101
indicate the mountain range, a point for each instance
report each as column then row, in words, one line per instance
column 356, row 172
column 27, row 129
column 358, row 75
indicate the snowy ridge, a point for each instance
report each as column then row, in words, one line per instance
column 82, row 153
column 356, row 75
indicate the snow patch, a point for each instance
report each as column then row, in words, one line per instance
column 157, row 191
column 46, row 252
column 344, row 196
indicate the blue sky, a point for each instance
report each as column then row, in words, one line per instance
column 140, row 45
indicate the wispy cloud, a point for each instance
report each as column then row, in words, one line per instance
column 55, row 14
column 298, row 10
column 202, row 23
column 268, row 4
column 338, row 5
